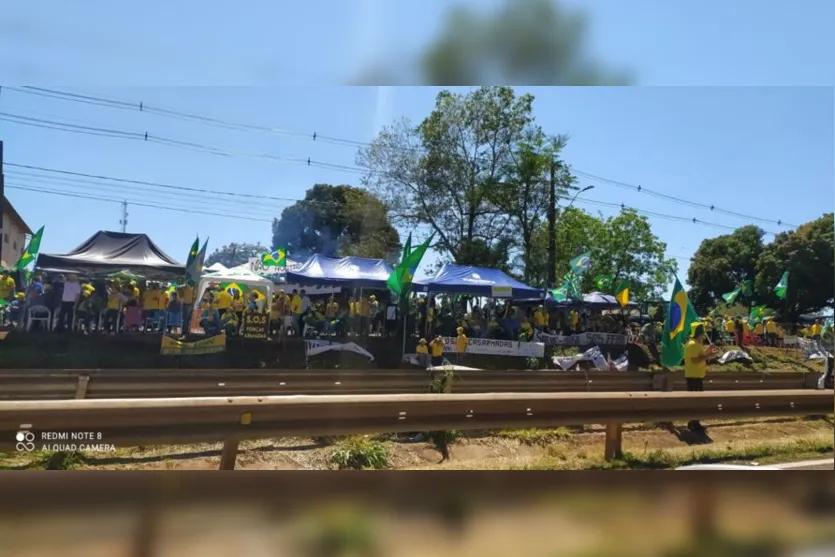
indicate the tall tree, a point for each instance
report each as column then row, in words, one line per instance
column 721, row 263
column 337, row 221
column 234, row 254
column 622, row 246
column 523, row 191
column 808, row 254
column 537, row 42
column 440, row 173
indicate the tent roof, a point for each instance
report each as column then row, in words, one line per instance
column 357, row 272
column 478, row 281
column 106, row 252
column 217, row 266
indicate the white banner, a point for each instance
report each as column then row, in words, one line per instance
column 583, row 339
column 318, row 346
column 498, row 347
column 593, row 355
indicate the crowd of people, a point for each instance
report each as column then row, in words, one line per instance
column 131, row 304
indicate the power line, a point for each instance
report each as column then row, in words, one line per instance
column 142, row 107
column 110, row 200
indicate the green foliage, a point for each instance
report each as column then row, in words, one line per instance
column 721, row 263
column 537, row 42
column 337, row 221
column 623, row 246
column 359, row 453
column 440, row 173
column 337, row 533
column 807, row 254
column 536, row 436
column 234, row 254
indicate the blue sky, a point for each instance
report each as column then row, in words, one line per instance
column 760, row 151
column 766, row 152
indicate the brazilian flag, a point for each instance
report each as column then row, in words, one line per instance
column 400, row 280
column 677, row 327
column 581, row 263
column 31, row 251
column 276, row 258
column 192, row 253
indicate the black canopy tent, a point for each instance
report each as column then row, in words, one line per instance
column 108, row 252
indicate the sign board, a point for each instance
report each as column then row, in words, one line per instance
column 173, row 347
column 583, row 339
column 501, row 291
column 497, row 347
column 256, row 325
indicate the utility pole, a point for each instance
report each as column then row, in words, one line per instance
column 124, row 219
column 552, row 228
column 2, row 200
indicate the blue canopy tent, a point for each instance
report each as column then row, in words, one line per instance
column 349, row 272
column 477, row 281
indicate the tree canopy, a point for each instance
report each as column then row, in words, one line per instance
column 537, row 42
column 337, row 221
column 721, row 263
column 234, row 254
column 808, row 254
column 444, row 172
column 622, row 246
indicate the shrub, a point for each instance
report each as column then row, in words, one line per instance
column 359, row 453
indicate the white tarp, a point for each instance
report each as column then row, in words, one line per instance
column 813, row 349
column 319, row 346
column 593, row 355
column 496, row 347
column 582, row 339
column 735, row 355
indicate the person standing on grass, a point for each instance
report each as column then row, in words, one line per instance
column 696, row 355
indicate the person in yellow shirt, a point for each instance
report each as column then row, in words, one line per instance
column 815, row 331
column 575, row 321
column 223, row 300
column 437, row 347
column 540, row 319
column 461, row 344
column 134, row 291
column 363, row 310
column 7, row 286
column 759, row 332
column 186, row 295
column 526, row 330
column 771, row 332
column 332, row 308
column 422, row 352
column 696, row 355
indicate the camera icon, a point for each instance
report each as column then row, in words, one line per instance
column 25, row 441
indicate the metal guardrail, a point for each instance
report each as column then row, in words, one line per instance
column 141, row 383
column 135, row 422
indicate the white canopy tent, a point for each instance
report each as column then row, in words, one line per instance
column 241, row 275
column 287, row 287
column 217, row 267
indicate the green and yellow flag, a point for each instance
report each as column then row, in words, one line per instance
column 604, row 282
column 746, row 287
column 622, row 293
column 782, row 286
column 31, row 251
column 677, row 327
column 276, row 258
column 581, row 263
column 192, row 253
column 730, row 297
column 400, row 279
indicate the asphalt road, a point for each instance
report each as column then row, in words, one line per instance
column 826, row 464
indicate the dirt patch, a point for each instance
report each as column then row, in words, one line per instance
column 575, row 447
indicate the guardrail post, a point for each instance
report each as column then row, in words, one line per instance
column 81, row 387
column 229, row 454
column 614, row 441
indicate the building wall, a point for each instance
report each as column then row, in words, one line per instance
column 14, row 240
